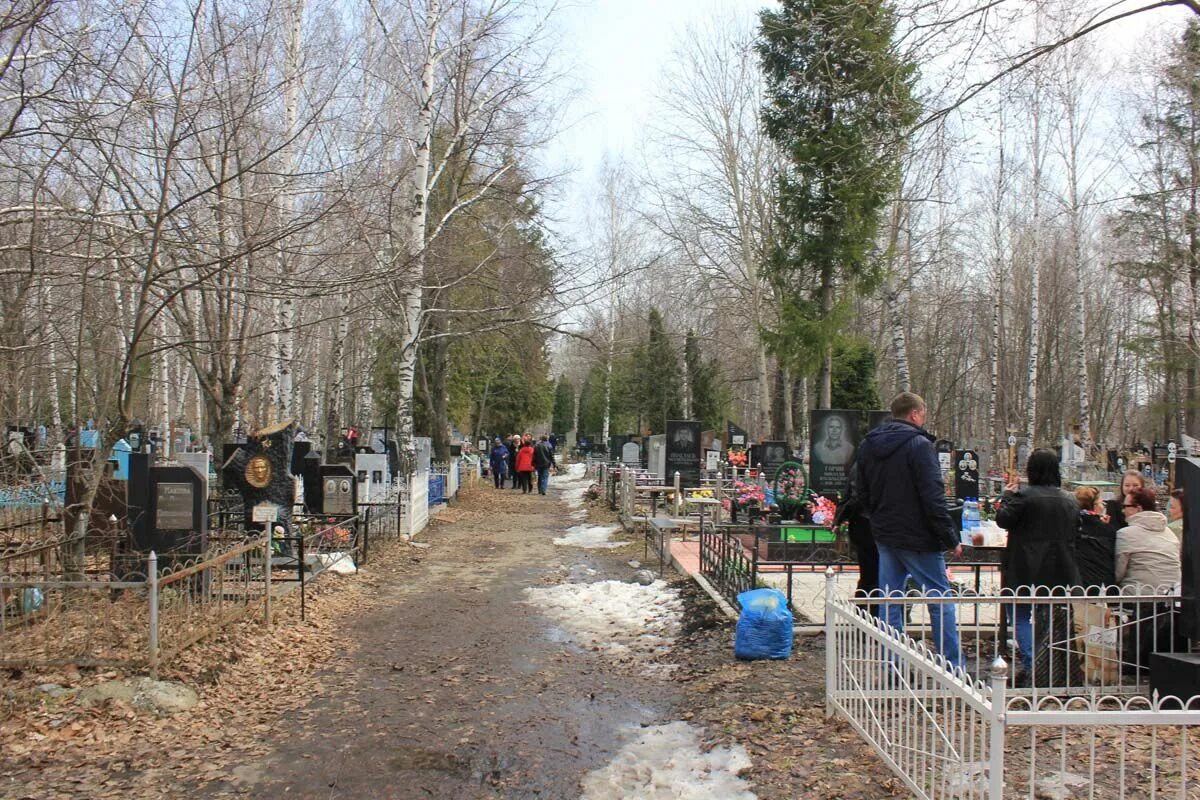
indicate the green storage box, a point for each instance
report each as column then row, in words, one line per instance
column 807, row 534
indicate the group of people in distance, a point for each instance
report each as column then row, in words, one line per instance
column 898, row 518
column 518, row 458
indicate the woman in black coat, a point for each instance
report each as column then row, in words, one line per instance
column 1096, row 547
column 1042, row 522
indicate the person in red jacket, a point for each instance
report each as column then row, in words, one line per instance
column 525, row 465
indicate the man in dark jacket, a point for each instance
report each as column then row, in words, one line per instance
column 543, row 460
column 900, row 484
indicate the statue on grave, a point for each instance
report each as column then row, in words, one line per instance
column 260, row 471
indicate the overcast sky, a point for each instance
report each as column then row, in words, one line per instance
column 616, row 50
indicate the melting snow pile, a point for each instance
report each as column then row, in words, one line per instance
column 575, row 485
column 590, row 536
column 667, row 761
column 612, row 616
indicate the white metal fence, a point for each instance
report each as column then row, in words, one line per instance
column 974, row 734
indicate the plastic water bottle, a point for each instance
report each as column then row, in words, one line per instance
column 970, row 516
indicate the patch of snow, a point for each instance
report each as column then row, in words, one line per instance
column 614, row 617
column 669, row 762
column 590, row 536
column 340, row 563
column 573, row 496
column 575, row 472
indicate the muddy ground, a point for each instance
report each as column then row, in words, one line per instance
column 429, row 676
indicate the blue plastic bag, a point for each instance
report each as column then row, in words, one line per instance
column 764, row 628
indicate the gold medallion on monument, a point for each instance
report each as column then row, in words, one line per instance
column 258, row 472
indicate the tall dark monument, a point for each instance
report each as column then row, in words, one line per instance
column 261, row 471
column 1187, row 474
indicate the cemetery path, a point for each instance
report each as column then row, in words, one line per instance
column 452, row 687
column 429, row 675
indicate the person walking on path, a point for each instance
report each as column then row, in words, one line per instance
column 514, row 445
column 543, row 460
column 901, row 486
column 525, row 467
column 498, row 460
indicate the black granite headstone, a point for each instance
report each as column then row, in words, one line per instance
column 261, row 471
column 736, row 436
column 966, row 474
column 683, row 451
column 834, row 440
column 311, row 475
column 299, row 451
column 177, row 519
column 339, row 497
column 771, row 455
column 1187, row 476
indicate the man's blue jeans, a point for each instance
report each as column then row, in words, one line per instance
column 543, row 479
column 928, row 570
column 1020, row 617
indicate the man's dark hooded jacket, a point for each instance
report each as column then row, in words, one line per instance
column 901, row 485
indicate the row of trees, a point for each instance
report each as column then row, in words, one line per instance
column 222, row 214
column 854, row 197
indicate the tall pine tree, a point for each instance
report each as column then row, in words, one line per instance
column 657, row 377
column 839, row 98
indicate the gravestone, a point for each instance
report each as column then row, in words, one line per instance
column 311, row 477
column 616, row 447
column 371, row 476
column 655, row 452
column 966, row 474
column 260, row 470
column 712, row 460
column 736, row 436
column 834, row 437
column 771, row 455
column 631, row 454
column 299, row 451
column 682, row 447
column 945, row 454
column 176, row 519
column 424, row 450
column 1187, row 474
column 199, row 462
column 338, row 498
column 120, row 459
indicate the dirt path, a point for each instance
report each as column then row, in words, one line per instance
column 431, row 675
column 452, row 687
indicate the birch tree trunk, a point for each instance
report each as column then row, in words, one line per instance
column 52, row 367
column 1035, row 251
column 998, row 284
column 608, row 367
column 337, row 388
column 414, row 270
column 285, row 336
column 164, row 387
column 891, row 295
column 366, row 396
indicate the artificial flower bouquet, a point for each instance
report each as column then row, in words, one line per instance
column 745, row 495
column 823, row 510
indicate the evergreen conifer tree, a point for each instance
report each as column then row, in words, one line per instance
column 839, row 98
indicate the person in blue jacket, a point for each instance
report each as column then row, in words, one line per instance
column 902, row 489
column 498, row 461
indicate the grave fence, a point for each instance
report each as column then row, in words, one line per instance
column 142, row 619
column 949, row 733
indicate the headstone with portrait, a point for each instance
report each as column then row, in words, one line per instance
column 338, row 497
column 771, row 455
column 966, row 474
column 260, row 469
column 683, row 451
column 834, row 440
